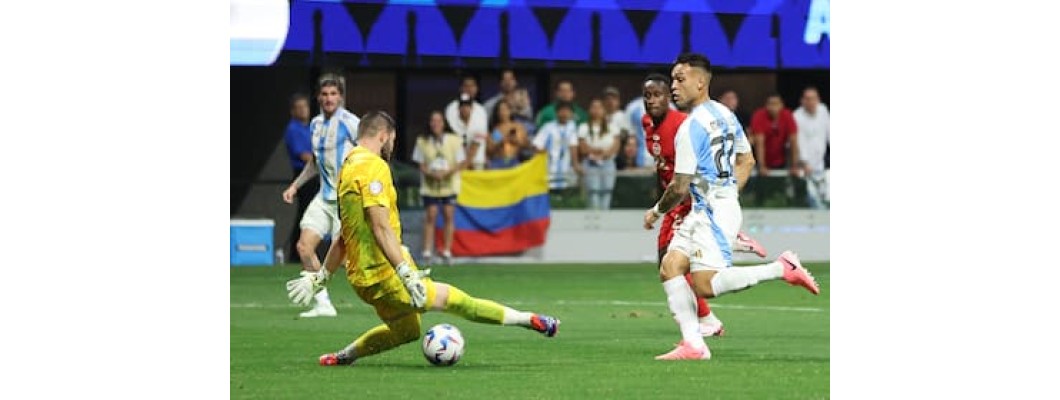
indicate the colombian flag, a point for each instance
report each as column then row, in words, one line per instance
column 500, row 211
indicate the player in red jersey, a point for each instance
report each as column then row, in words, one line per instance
column 660, row 126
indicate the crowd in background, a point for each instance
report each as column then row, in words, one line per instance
column 588, row 141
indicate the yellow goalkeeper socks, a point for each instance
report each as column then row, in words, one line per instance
column 472, row 309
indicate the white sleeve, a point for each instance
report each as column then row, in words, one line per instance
column 583, row 131
column 573, row 140
column 742, row 145
column 619, row 122
column 452, row 115
column 417, row 154
column 479, row 119
column 541, row 137
column 685, row 156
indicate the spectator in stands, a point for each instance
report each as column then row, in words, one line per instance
column 472, row 134
column 615, row 114
column 812, row 120
column 640, row 157
column 564, row 93
column 627, row 158
column 506, row 87
column 507, row 139
column 599, row 139
column 472, row 128
column 730, row 99
column 775, row 137
column 440, row 155
column 559, row 138
column 522, row 111
column 299, row 151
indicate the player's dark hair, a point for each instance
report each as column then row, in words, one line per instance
column 657, row 77
column 331, row 79
column 694, row 60
column 374, row 122
column 298, row 96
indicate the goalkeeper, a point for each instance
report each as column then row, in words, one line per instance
column 379, row 268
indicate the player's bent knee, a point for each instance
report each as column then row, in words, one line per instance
column 672, row 266
column 407, row 329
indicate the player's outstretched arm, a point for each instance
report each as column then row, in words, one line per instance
column 379, row 218
column 309, row 172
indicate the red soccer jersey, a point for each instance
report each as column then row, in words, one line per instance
column 660, row 141
column 777, row 132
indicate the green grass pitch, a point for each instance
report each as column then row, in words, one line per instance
column 614, row 317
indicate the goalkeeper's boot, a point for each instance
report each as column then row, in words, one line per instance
column 795, row 274
column 547, row 325
column 447, row 258
column 749, row 242
column 319, row 310
column 685, row 351
column 332, row 359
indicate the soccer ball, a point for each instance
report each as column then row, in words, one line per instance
column 443, row 345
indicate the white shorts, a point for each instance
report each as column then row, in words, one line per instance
column 706, row 236
column 321, row 217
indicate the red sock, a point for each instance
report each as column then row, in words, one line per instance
column 702, row 308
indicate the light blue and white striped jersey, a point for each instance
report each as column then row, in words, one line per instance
column 706, row 145
column 557, row 139
column 333, row 140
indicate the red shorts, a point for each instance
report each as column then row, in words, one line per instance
column 671, row 222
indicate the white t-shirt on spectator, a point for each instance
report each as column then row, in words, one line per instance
column 598, row 140
column 556, row 139
column 474, row 130
column 813, row 136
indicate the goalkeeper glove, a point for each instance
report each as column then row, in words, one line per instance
column 413, row 281
column 301, row 290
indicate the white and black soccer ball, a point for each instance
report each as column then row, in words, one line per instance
column 443, row 345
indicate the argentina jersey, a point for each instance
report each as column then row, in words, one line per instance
column 333, row 140
column 706, row 145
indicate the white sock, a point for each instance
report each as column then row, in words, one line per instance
column 516, row 317
column 740, row 278
column 683, row 306
column 322, row 297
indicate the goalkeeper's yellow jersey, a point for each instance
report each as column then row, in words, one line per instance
column 365, row 181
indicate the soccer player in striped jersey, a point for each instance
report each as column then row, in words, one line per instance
column 660, row 126
column 333, row 138
column 710, row 160
column 381, row 270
